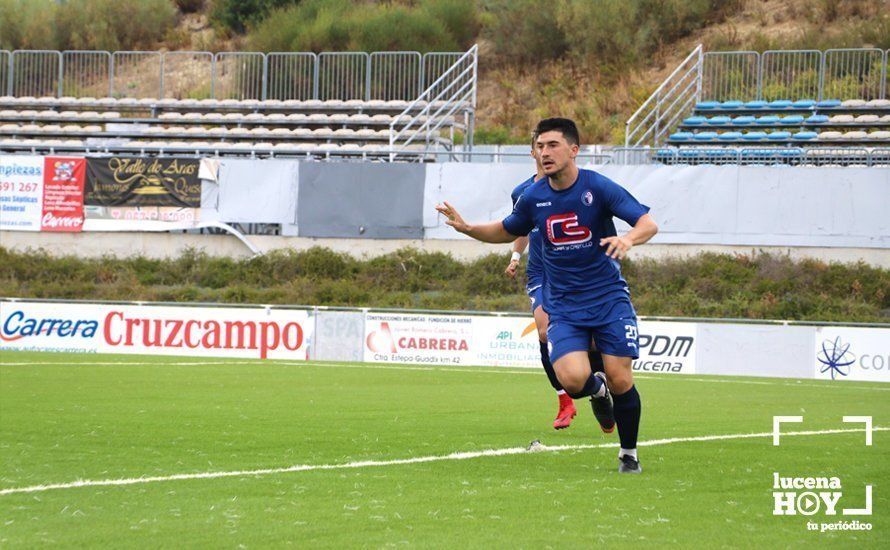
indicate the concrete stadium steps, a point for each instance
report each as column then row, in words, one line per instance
column 206, row 148
column 156, row 105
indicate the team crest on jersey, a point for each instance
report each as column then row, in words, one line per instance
column 587, row 198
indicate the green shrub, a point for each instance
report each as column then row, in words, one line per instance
column 522, row 31
column 85, row 24
column 343, row 25
column 189, row 6
column 760, row 286
column 237, row 15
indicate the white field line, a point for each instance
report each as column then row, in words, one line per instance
column 416, row 460
column 480, row 370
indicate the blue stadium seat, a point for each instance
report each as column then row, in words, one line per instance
column 730, row 136
column 792, row 119
column 754, row 136
column 705, row 136
column 664, row 153
column 681, row 136
column 779, row 136
column 731, row 104
column 689, row 153
column 804, row 136
column 804, row 104
column 716, row 120
column 707, row 105
column 695, row 121
column 721, row 154
column 817, row 119
column 767, row 120
column 756, row 104
column 828, row 103
column 743, row 120
column 780, row 104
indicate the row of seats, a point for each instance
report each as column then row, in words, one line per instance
column 787, row 120
column 196, row 131
column 223, row 118
column 227, row 104
column 881, row 135
column 206, row 145
column 798, row 104
column 776, row 155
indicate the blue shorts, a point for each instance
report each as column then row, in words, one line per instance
column 618, row 338
column 535, row 295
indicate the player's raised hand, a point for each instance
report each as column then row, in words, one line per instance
column 454, row 219
column 617, row 247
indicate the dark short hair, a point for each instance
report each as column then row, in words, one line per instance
column 565, row 126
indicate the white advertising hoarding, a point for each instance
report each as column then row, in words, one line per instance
column 851, row 353
column 506, row 341
column 667, row 347
column 166, row 330
column 418, row 339
column 21, row 192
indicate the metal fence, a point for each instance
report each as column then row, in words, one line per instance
column 852, row 73
column 136, row 74
column 224, row 75
column 731, row 75
column 777, row 74
column 343, row 75
column 769, row 156
column 35, row 72
column 239, row 75
column 5, row 63
column 86, row 73
column 395, row 75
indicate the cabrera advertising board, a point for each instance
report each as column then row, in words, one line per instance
column 506, row 341
column 254, row 333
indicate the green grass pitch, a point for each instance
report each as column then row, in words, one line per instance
column 66, row 417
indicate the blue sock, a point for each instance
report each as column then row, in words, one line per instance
column 627, row 416
column 591, row 387
column 548, row 367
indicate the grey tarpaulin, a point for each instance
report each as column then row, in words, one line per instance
column 253, row 191
column 361, row 200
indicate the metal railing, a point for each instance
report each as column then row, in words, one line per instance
column 5, row 70
column 239, row 75
column 224, row 75
column 763, row 156
column 744, row 75
column 849, row 73
column 451, row 95
column 673, row 99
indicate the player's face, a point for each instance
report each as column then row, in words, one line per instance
column 554, row 152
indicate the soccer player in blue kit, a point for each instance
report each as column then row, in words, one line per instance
column 535, row 289
column 587, row 299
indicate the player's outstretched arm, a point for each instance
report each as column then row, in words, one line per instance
column 491, row 232
column 641, row 232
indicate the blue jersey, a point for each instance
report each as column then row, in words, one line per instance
column 583, row 284
column 535, row 267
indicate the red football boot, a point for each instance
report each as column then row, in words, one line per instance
column 566, row 412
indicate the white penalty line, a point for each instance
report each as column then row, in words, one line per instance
column 453, row 369
column 416, row 460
